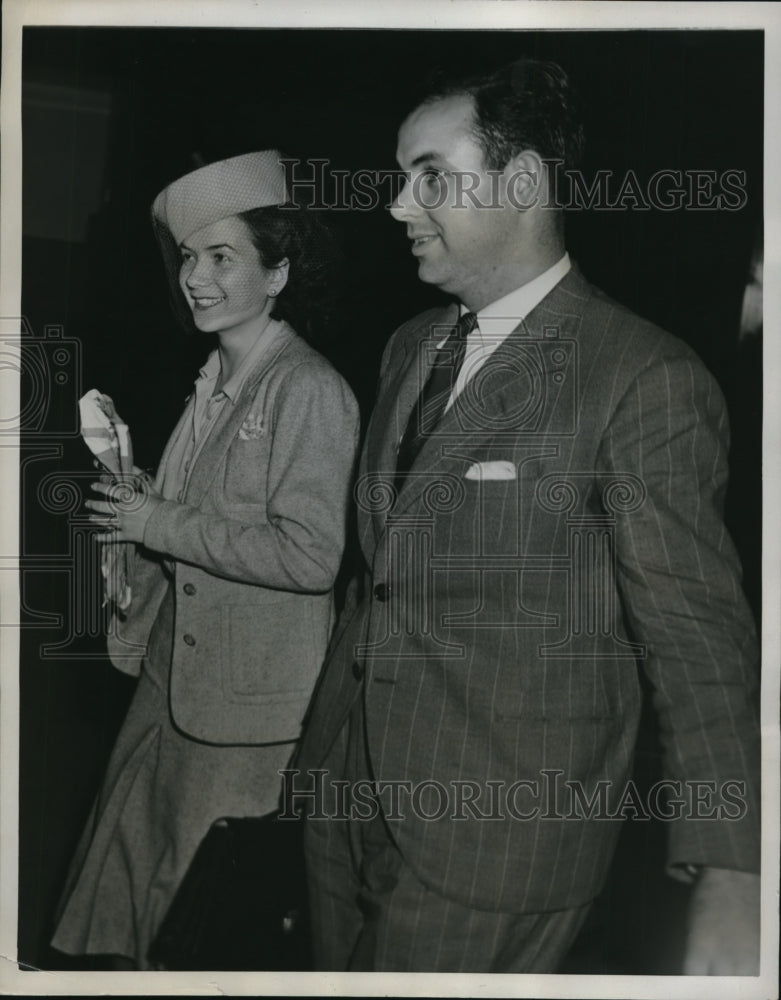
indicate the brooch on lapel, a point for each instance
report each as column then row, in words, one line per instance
column 252, row 428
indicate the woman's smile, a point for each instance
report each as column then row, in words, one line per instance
column 206, row 302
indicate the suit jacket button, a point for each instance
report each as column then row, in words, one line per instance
column 382, row 592
column 189, row 639
column 357, row 670
column 189, row 589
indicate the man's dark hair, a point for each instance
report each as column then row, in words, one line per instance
column 526, row 105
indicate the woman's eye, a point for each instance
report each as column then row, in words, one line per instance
column 221, row 258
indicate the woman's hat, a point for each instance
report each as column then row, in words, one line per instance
column 219, row 190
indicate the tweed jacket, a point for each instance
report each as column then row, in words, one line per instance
column 256, row 544
column 560, row 529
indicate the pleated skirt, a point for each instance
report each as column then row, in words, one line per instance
column 161, row 793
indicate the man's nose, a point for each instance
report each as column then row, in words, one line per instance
column 404, row 204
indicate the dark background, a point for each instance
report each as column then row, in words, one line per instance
column 110, row 116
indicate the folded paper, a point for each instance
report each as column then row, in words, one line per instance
column 108, row 438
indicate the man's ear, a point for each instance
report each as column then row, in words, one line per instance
column 526, row 180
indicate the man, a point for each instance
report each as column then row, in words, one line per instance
column 538, row 513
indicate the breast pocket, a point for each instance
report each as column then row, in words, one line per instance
column 491, row 506
column 244, row 481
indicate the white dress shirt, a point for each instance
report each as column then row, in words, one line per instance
column 498, row 320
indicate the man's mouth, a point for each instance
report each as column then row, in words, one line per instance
column 420, row 242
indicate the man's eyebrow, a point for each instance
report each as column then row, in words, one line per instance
column 426, row 158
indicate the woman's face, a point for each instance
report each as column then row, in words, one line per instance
column 223, row 280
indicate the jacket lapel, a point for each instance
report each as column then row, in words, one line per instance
column 232, row 417
column 393, row 409
column 399, row 398
column 502, row 378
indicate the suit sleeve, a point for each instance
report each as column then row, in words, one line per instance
column 679, row 579
column 299, row 545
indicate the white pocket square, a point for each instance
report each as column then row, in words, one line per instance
column 491, row 470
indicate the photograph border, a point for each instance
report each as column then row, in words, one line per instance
column 430, row 15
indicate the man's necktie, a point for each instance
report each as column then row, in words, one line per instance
column 436, row 392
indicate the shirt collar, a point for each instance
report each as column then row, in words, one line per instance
column 235, row 383
column 502, row 316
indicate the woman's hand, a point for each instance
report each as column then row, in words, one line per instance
column 128, row 505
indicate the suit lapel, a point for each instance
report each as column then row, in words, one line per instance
column 501, row 375
column 232, row 417
column 401, row 394
column 393, row 409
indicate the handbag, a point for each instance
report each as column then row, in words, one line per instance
column 242, row 904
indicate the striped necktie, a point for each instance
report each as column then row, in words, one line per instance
column 435, row 394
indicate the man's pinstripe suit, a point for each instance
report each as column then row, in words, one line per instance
column 562, row 527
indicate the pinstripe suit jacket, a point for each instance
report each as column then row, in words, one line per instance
column 504, row 619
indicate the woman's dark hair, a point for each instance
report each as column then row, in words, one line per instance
column 298, row 234
column 278, row 232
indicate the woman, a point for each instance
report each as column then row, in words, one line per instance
column 238, row 543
